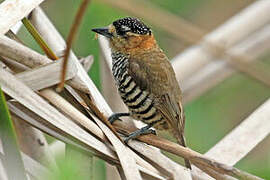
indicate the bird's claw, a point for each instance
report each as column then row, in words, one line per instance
column 113, row 118
column 116, row 116
column 138, row 133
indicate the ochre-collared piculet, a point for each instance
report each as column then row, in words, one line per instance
column 145, row 79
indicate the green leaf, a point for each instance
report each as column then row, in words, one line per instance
column 32, row 30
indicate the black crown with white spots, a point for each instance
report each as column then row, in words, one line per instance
column 130, row 24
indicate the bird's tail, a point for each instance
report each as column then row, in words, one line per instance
column 182, row 141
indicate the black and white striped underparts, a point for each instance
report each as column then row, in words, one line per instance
column 140, row 105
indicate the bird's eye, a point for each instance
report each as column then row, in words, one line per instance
column 122, row 30
column 125, row 28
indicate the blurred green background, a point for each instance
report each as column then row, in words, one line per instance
column 209, row 117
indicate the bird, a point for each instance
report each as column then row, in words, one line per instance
column 145, row 79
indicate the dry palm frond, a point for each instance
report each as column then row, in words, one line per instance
column 228, row 34
column 87, row 127
column 219, row 69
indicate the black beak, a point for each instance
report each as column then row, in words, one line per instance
column 103, row 31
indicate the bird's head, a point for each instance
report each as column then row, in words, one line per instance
column 128, row 35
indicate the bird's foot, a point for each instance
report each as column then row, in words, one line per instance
column 143, row 131
column 116, row 116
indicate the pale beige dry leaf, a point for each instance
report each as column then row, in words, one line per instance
column 217, row 70
column 42, row 124
column 127, row 161
column 28, row 98
column 229, row 33
column 249, row 133
column 13, row 11
column 38, row 78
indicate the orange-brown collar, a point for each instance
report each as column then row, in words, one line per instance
column 136, row 44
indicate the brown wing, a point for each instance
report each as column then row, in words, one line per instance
column 155, row 75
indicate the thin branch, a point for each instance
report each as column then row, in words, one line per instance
column 163, row 163
column 187, row 153
column 71, row 37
